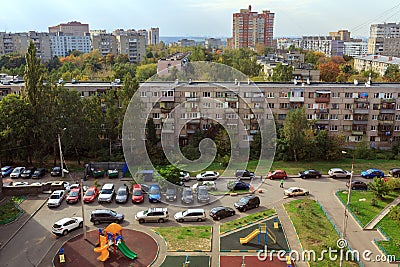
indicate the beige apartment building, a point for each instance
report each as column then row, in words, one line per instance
column 384, row 39
column 105, row 43
column 131, row 43
column 375, row 63
column 357, row 111
column 74, row 28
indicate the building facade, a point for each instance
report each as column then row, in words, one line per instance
column 105, row 43
column 132, row 44
column 213, row 43
column 73, row 28
column 153, row 36
column 355, row 49
column 343, row 35
column 63, row 45
column 375, row 63
column 324, row 44
column 384, row 39
column 252, row 28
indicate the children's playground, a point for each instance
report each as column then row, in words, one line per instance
column 255, row 237
column 111, row 246
column 186, row 261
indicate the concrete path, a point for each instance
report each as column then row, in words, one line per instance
column 371, row 225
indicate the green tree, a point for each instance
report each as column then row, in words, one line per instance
column 223, row 144
column 170, row 173
column 145, row 72
column 379, row 187
column 392, row 73
column 282, row 73
column 294, row 128
column 151, row 132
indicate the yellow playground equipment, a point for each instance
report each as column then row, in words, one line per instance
column 262, row 230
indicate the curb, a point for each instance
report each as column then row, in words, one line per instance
column 249, row 223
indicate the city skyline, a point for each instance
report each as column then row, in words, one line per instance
column 205, row 18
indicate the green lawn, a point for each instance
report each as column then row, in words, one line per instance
column 231, row 225
column 365, row 212
column 187, row 238
column 292, row 168
column 9, row 211
column 314, row 229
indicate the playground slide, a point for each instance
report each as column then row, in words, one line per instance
column 247, row 239
column 126, row 251
column 104, row 252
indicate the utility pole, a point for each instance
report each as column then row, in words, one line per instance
column 83, row 211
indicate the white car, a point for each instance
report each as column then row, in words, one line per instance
column 296, row 191
column 210, row 185
column 56, row 198
column 73, row 186
column 339, row 173
column 194, row 215
column 66, row 225
column 185, row 176
column 107, row 193
column 207, row 175
column 16, row 173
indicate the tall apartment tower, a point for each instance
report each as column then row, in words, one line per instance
column 74, row 28
column 343, row 35
column 153, row 36
column 131, row 43
column 252, row 28
column 105, row 43
column 384, row 39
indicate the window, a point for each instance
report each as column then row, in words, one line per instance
column 206, row 105
column 232, row 116
column 376, row 95
column 155, row 94
column 271, row 105
column 373, row 127
column 388, row 95
column 309, row 117
column 156, row 115
column 348, row 106
column 219, row 105
column 143, row 94
column 335, row 95
column 157, row 126
column 333, row 128
column 346, row 128
column 398, row 107
column 206, row 94
column 335, row 106
column 281, row 116
column 334, row 116
column 397, row 128
column 284, row 105
column 375, row 106
column 348, row 95
column 397, row 117
column 311, row 95
column 218, row 116
column 348, row 117
column 248, row 116
column 283, row 94
column 168, row 93
column 219, row 94
column 374, row 117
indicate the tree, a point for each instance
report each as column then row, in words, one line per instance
column 329, row 71
column 294, row 128
column 392, row 73
column 145, row 72
column 170, row 173
column 379, row 187
column 151, row 132
column 282, row 73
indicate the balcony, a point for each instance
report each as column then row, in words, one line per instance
column 361, row 100
column 194, row 121
column 357, row 133
column 322, row 99
column 387, row 111
column 360, row 122
column 388, row 100
column 296, row 99
column 166, row 109
column 253, row 131
column 192, row 99
column 232, row 99
column 257, row 99
column 167, row 98
column 361, row 111
column 321, row 110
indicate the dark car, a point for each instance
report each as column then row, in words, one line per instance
column 170, row 195
column 248, row 202
column 28, row 172
column 356, row 184
column 56, row 171
column 106, row 215
column 244, row 174
column 395, row 172
column 202, row 194
column 219, row 213
column 238, row 185
column 39, row 173
column 310, row 174
column 154, row 193
column 187, row 196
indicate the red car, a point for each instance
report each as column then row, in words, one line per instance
column 277, row 174
column 74, row 196
column 91, row 194
column 137, row 194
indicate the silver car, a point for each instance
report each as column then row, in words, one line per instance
column 122, row 194
column 339, row 173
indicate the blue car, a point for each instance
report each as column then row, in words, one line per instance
column 6, row 170
column 238, row 185
column 372, row 173
column 154, row 193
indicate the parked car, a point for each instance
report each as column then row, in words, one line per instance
column 6, row 170
column 247, row 202
column 244, row 174
column 277, row 174
column 185, row 176
column 91, row 194
column 210, row 185
column 187, row 196
column 152, row 215
column 339, row 173
column 74, row 196
column 238, row 185
column 56, row 171
column 219, row 213
column 106, row 193
column 310, row 174
column 56, row 199
column 197, row 215
column 75, row 186
column 106, row 215
column 395, row 172
column 66, row 225
column 39, row 173
column 372, row 173
column 296, row 191
column 170, row 194
column 137, row 194
column 202, row 194
column 27, row 173
column 122, row 194
column 20, row 183
column 154, row 193
column 356, row 184
column 16, row 173
column 208, row 175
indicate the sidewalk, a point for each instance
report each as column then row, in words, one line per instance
column 383, row 213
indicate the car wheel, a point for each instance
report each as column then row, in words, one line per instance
column 334, row 177
column 117, row 221
column 233, row 213
column 348, row 177
column 218, row 218
column 81, row 225
column 96, row 222
column 306, row 193
column 244, row 209
column 378, row 176
column 200, row 179
column 319, row 176
column 141, row 220
column 284, row 178
column 257, row 205
column 65, row 232
column 180, row 220
column 199, row 219
column 353, row 188
column 160, row 220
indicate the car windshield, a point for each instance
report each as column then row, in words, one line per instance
column 137, row 193
column 122, row 193
column 36, row 172
column 184, row 213
column 187, row 193
column 27, row 171
column 243, row 201
column 171, row 191
column 90, row 193
column 74, row 194
column 154, row 191
column 54, row 196
column 203, row 191
column 113, row 213
column 56, row 168
column 106, row 191
column 291, row 189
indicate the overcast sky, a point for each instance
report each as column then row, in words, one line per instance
column 200, row 17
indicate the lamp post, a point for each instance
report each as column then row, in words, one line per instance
column 83, row 211
column 346, row 208
column 61, row 154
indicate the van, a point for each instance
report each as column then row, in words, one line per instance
column 107, row 193
column 196, row 215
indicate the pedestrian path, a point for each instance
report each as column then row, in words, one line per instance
column 371, row 225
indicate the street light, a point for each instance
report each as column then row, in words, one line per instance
column 346, row 208
column 61, row 154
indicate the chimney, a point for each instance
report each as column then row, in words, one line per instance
column 375, row 57
column 390, row 58
column 249, row 8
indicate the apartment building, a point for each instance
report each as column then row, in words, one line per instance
column 285, row 43
column 153, row 36
column 325, row 44
column 186, row 42
column 343, row 35
column 384, row 39
column 251, row 28
column 213, row 43
column 131, row 43
column 375, row 63
column 355, row 49
column 73, row 28
column 105, row 43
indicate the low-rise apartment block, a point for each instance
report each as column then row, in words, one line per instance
column 375, row 63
